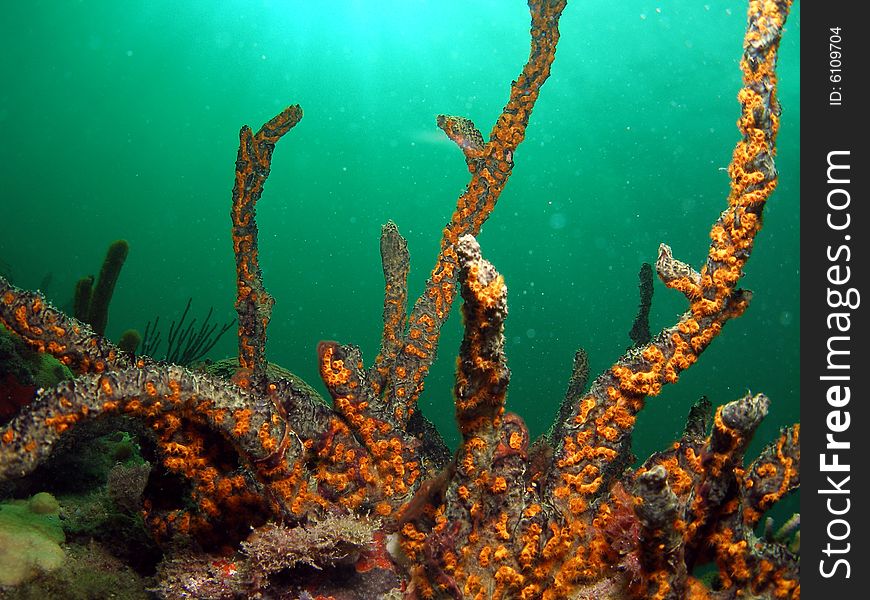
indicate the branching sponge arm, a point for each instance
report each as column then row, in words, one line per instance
column 253, row 302
column 605, row 416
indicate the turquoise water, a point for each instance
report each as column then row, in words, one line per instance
column 120, row 120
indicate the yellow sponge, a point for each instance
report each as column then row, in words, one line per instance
column 30, row 534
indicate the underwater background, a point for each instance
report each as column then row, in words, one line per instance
column 121, row 119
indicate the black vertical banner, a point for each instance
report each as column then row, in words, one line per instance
column 834, row 262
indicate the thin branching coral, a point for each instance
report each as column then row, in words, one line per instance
column 563, row 518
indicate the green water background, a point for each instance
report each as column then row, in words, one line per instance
column 120, row 120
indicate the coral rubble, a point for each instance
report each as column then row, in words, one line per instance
column 562, row 518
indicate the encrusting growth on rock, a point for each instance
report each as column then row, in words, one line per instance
column 564, row 518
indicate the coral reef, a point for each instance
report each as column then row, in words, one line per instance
column 22, row 372
column 338, row 556
column 563, row 518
